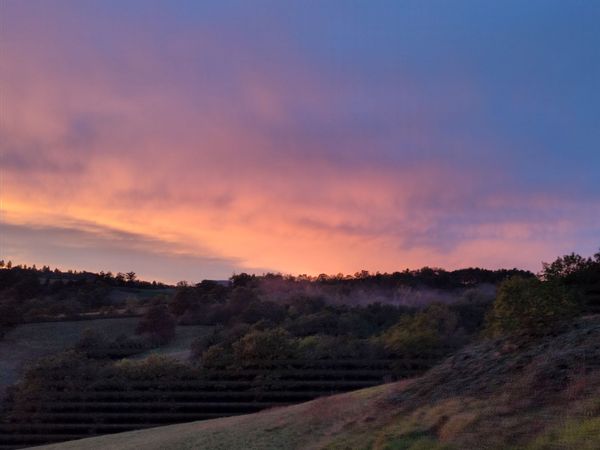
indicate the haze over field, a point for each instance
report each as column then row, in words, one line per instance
column 189, row 140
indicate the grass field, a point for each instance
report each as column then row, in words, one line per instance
column 26, row 343
column 179, row 348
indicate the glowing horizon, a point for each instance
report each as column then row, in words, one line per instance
column 190, row 141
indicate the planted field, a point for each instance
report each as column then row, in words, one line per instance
column 94, row 407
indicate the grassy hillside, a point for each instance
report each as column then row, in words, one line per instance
column 26, row 343
column 492, row 395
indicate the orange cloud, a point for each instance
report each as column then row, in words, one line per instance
column 252, row 170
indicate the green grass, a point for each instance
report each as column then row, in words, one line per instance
column 574, row 435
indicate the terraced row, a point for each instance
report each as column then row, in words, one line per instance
column 108, row 406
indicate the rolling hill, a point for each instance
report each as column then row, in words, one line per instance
column 541, row 394
column 26, row 343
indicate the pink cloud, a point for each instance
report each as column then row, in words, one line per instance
column 262, row 168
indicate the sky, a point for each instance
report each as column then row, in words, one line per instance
column 187, row 139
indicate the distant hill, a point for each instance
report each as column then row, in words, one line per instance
column 496, row 394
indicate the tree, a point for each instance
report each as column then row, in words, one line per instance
column 243, row 280
column 565, row 267
column 530, row 306
column 120, row 278
column 131, row 277
column 158, row 323
column 182, row 300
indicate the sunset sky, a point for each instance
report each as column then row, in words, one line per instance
column 189, row 139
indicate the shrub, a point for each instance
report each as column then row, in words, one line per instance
column 530, row 306
column 323, row 322
column 424, row 332
column 267, row 345
column 154, row 367
column 217, row 356
column 411, row 334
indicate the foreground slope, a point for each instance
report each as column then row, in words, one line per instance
column 493, row 395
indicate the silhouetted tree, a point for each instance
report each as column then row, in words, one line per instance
column 131, row 277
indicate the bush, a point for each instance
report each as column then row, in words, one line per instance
column 323, row 322
column 319, row 347
column 411, row 335
column 424, row 332
column 267, row 345
column 71, row 369
column 218, row 356
column 530, row 306
column 154, row 367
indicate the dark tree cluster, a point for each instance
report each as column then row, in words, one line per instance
column 530, row 307
column 248, row 328
column 435, row 278
column 29, row 294
column 580, row 274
